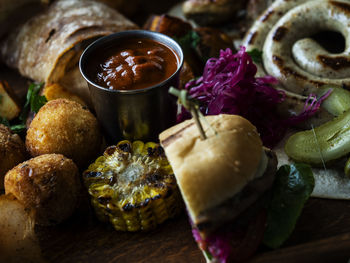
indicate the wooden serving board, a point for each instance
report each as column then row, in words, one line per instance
column 322, row 233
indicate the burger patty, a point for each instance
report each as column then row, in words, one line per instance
column 228, row 211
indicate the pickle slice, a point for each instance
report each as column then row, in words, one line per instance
column 329, row 141
column 347, row 168
column 338, row 101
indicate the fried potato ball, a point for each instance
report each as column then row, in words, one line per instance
column 12, row 151
column 65, row 127
column 48, row 186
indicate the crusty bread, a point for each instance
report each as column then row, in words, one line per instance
column 210, row 171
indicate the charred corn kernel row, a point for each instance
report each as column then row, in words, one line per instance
column 132, row 186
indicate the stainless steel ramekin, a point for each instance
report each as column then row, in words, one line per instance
column 133, row 114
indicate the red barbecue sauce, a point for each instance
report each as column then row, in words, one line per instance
column 136, row 64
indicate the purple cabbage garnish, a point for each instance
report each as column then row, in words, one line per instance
column 229, row 85
column 217, row 245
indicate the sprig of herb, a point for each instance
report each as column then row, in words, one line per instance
column 256, row 55
column 188, row 41
column 17, row 128
column 191, row 39
column 34, row 102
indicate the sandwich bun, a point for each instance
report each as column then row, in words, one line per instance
column 213, row 170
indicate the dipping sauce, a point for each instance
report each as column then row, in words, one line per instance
column 136, row 64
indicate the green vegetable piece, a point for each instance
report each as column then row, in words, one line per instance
column 256, row 55
column 189, row 41
column 35, row 100
column 4, row 121
column 327, row 142
column 18, row 128
column 291, row 189
column 337, row 102
column 14, row 128
column 347, row 168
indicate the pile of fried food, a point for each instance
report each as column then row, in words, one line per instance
column 45, row 171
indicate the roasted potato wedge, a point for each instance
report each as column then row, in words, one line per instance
column 9, row 105
column 56, row 91
column 186, row 74
column 168, row 25
column 211, row 41
column 17, row 237
column 12, row 152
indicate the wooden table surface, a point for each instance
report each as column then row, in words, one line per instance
column 322, row 233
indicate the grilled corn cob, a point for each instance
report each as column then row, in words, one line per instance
column 132, row 186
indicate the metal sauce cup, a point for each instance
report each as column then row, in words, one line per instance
column 132, row 114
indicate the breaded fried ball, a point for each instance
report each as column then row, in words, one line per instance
column 12, row 151
column 48, row 186
column 65, row 127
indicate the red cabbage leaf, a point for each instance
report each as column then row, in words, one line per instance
column 229, row 86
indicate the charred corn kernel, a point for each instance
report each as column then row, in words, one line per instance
column 133, row 186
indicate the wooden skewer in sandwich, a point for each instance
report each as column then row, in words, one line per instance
column 222, row 176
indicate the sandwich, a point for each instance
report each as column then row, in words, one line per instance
column 224, row 181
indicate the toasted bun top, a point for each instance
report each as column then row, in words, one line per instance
column 210, row 171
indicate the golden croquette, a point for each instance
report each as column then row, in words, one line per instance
column 48, row 186
column 12, row 152
column 65, row 127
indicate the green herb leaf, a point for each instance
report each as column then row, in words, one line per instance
column 35, row 100
column 189, row 41
column 18, row 128
column 4, row 121
column 291, row 189
column 256, row 55
column 14, row 128
column 195, row 39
